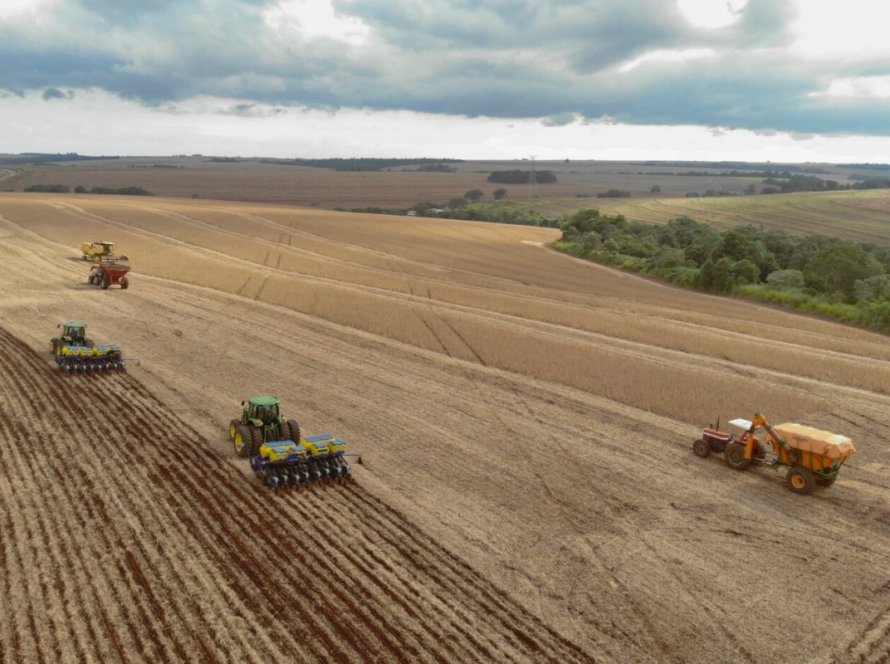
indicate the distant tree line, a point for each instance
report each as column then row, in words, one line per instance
column 65, row 189
column 45, row 157
column 814, row 273
column 522, row 177
column 360, row 163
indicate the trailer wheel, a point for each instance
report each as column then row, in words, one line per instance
column 825, row 481
column 124, row 283
column 701, row 448
column 735, row 456
column 106, row 282
column 242, row 441
column 800, row 480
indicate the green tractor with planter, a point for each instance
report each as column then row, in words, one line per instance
column 277, row 451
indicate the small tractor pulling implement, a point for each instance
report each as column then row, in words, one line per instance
column 813, row 457
column 73, row 351
column 279, row 454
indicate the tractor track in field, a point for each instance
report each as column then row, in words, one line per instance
column 134, row 541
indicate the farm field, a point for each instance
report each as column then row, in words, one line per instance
column 862, row 216
column 528, row 493
column 857, row 215
column 398, row 187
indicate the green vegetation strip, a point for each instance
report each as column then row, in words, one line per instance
column 818, row 274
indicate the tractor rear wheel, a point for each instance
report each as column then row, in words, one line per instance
column 233, row 427
column 735, row 456
column 800, row 480
column 243, row 441
column 294, row 431
column 701, row 448
column 256, row 435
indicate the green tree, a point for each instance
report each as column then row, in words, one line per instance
column 836, row 268
column 474, row 195
column 499, row 194
column 786, row 279
column 717, row 275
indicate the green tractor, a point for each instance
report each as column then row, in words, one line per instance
column 277, row 452
column 74, row 351
column 261, row 422
column 74, row 333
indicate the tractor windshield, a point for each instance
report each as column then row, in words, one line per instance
column 267, row 413
column 75, row 333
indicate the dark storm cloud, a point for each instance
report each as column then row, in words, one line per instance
column 549, row 59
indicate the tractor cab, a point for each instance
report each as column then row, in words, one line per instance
column 263, row 408
column 74, row 333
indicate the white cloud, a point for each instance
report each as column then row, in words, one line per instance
column 661, row 57
column 312, row 19
column 858, row 87
column 26, row 10
column 855, row 30
column 711, row 13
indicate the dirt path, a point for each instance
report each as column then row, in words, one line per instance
column 529, row 493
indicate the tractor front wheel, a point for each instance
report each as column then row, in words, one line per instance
column 800, row 480
column 233, row 427
column 701, row 448
column 242, row 441
column 735, row 456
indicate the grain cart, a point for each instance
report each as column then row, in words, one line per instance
column 813, row 457
column 93, row 250
column 107, row 273
column 73, row 351
column 279, row 454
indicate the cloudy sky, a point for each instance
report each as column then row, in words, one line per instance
column 780, row 80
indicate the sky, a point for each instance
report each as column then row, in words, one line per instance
column 740, row 80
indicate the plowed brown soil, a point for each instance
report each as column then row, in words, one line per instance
column 528, row 493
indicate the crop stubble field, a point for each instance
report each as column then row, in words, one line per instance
column 529, row 492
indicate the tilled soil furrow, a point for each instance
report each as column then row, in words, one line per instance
column 442, row 616
column 30, row 526
column 317, row 532
column 91, row 498
column 314, row 512
column 151, row 617
column 334, row 575
column 143, row 559
column 201, row 593
column 20, row 602
column 525, row 629
column 339, row 601
column 83, row 516
column 235, row 547
column 287, row 591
